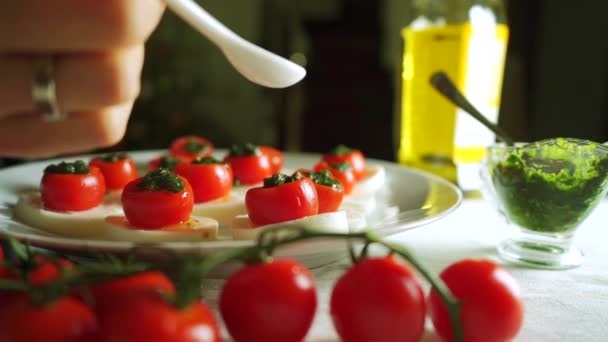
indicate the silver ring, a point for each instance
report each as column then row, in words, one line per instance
column 43, row 90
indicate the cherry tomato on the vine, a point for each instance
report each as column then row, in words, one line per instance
column 491, row 304
column 159, row 199
column 249, row 164
column 341, row 154
column 378, row 299
column 275, row 156
column 72, row 186
column 343, row 172
column 191, row 146
column 118, row 169
column 210, row 178
column 152, row 281
column 66, row 319
column 147, row 316
column 282, row 198
column 273, row 301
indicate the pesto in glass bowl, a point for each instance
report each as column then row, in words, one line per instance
column 546, row 189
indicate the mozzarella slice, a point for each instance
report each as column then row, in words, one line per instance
column 375, row 177
column 77, row 224
column 222, row 210
column 363, row 205
column 196, row 229
column 243, row 229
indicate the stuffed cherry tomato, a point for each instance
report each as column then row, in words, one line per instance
column 191, row 146
column 166, row 162
column 282, row 198
column 249, row 164
column 72, row 186
column 275, row 156
column 343, row 172
column 329, row 190
column 118, row 169
column 342, row 153
column 210, row 178
column 159, row 199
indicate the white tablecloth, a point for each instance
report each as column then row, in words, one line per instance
column 570, row 305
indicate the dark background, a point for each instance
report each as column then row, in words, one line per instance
column 554, row 84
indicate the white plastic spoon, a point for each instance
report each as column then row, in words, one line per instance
column 256, row 64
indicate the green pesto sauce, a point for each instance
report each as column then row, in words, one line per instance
column 551, row 189
column 161, row 180
column 76, row 167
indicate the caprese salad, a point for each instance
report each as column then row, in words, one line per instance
column 188, row 194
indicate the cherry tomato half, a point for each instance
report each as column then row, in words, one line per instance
column 191, row 146
column 117, row 169
column 492, row 309
column 378, row 299
column 341, row 154
column 147, row 316
column 156, row 206
column 210, row 178
column 342, row 172
column 275, row 156
column 167, row 162
column 249, row 164
column 329, row 190
column 72, row 187
column 65, row 320
column 273, row 301
column 284, row 202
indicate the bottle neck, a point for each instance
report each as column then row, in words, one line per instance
column 458, row 11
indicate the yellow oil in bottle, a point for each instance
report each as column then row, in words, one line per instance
column 434, row 136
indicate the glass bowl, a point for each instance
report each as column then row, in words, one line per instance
column 545, row 189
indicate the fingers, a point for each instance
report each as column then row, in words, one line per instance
column 76, row 25
column 83, row 81
column 26, row 135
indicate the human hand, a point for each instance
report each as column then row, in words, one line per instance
column 97, row 50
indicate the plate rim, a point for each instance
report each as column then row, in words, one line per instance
column 54, row 242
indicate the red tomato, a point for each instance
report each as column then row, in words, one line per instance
column 104, row 294
column 168, row 162
column 342, row 172
column 341, row 154
column 117, row 170
column 191, row 146
column 329, row 190
column 249, row 164
column 492, row 309
column 72, row 191
column 146, row 316
column 209, row 181
column 274, row 301
column 276, row 157
column 378, row 299
column 285, row 202
column 154, row 209
column 48, row 270
column 65, row 320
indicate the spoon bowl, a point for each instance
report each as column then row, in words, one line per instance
column 253, row 62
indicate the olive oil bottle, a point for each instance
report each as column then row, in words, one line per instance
column 467, row 39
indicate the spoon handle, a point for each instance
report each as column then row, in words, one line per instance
column 201, row 20
column 446, row 87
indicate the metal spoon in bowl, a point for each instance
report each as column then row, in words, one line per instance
column 256, row 64
column 446, row 87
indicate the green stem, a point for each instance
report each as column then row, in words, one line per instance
column 270, row 239
column 12, row 285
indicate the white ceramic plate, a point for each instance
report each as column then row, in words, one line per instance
column 421, row 198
